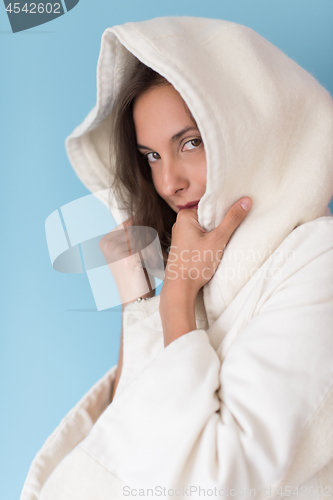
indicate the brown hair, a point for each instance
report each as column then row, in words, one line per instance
column 133, row 183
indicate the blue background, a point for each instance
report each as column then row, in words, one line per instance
column 54, row 344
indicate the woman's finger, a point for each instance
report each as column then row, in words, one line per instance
column 234, row 217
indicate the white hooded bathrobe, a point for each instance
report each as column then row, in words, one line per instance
column 245, row 401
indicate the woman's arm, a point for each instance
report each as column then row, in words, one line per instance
column 125, row 265
column 148, row 295
column 182, row 320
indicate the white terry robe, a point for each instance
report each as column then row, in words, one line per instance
column 245, row 401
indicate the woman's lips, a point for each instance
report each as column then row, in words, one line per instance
column 191, row 204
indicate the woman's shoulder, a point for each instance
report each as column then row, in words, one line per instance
column 326, row 221
column 314, row 236
column 302, row 263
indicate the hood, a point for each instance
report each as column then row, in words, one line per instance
column 266, row 123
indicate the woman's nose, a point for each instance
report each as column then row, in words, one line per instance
column 173, row 178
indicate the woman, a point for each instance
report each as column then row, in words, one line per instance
column 150, row 111
column 225, row 380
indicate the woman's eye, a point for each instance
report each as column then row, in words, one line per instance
column 193, row 143
column 151, row 157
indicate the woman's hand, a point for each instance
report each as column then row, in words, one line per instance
column 193, row 259
column 124, row 262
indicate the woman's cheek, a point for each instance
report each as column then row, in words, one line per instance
column 157, row 181
column 201, row 172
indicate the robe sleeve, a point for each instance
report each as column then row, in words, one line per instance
column 190, row 419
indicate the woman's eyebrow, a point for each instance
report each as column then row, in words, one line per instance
column 182, row 132
column 175, row 137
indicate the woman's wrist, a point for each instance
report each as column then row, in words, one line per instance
column 182, row 291
column 177, row 310
column 148, row 295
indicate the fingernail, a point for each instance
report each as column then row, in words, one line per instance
column 246, row 204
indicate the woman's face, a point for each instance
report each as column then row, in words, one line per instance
column 172, row 144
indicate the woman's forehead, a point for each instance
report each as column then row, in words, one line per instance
column 161, row 110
